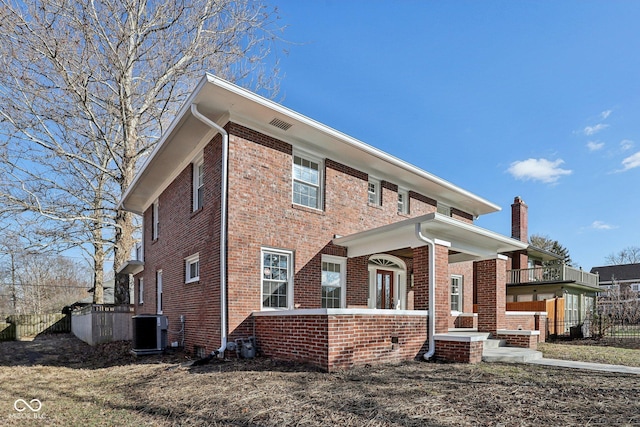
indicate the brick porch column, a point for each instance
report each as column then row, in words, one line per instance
column 491, row 282
column 421, row 283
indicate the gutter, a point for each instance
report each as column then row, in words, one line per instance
column 223, row 228
column 432, row 291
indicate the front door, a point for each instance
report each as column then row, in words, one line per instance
column 384, row 289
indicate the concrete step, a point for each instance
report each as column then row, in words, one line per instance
column 510, row 355
column 494, row 343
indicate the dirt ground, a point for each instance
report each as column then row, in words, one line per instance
column 105, row 385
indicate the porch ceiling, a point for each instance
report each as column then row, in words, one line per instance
column 468, row 242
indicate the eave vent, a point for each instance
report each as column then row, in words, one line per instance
column 280, row 124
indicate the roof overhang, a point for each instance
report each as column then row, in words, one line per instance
column 222, row 101
column 467, row 241
column 542, row 254
column 131, row 267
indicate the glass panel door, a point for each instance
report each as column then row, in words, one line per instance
column 384, row 289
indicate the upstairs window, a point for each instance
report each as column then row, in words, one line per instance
column 403, row 202
column 198, row 184
column 444, row 209
column 155, row 221
column 140, row 291
column 373, row 192
column 307, row 189
column 192, row 270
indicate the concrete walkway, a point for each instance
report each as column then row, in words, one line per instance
column 586, row 365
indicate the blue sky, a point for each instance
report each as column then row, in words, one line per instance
column 536, row 99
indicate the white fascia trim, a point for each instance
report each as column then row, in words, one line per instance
column 368, row 149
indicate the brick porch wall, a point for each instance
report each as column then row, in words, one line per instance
column 341, row 341
column 459, row 351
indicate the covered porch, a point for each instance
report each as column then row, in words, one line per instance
column 402, row 303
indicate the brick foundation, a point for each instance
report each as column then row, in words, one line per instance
column 341, row 339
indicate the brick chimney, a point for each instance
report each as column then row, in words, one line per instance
column 519, row 220
column 519, row 231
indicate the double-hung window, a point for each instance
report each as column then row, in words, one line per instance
column 333, row 281
column 373, row 192
column 198, row 184
column 307, row 182
column 403, row 202
column 277, row 278
column 155, row 221
column 192, row 268
column 140, row 291
column 456, row 293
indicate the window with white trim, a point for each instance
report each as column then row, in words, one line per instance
column 159, row 292
column 198, row 184
column 444, row 209
column 155, row 221
column 140, row 291
column 307, row 181
column 456, row 293
column 192, row 268
column 403, row 202
column 373, row 192
column 277, row 278
column 334, row 272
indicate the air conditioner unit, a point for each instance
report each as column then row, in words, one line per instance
column 149, row 334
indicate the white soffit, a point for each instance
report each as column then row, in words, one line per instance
column 468, row 241
column 219, row 99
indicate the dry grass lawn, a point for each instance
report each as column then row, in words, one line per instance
column 104, row 386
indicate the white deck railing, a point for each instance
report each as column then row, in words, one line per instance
column 555, row 273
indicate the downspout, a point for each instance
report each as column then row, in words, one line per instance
column 432, row 291
column 223, row 228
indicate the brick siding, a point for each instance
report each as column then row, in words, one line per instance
column 335, row 342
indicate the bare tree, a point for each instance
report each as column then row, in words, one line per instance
column 628, row 255
column 87, row 88
column 550, row 245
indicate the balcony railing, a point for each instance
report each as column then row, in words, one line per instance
column 551, row 274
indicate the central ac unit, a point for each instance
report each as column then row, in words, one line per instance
column 149, row 334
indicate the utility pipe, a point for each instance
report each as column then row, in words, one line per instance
column 432, row 291
column 223, row 228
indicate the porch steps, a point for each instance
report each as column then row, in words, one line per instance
column 497, row 351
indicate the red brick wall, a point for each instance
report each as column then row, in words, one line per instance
column 491, row 291
column 522, row 322
column 459, row 351
column 341, row 341
column 183, row 233
column 524, row 341
column 260, row 214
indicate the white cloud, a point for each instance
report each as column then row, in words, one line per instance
column 626, row 144
column 591, row 130
column 633, row 161
column 600, row 225
column 594, row 146
column 538, row 170
column 605, row 114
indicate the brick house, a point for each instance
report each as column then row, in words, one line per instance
column 259, row 221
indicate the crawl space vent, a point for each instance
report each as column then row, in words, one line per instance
column 280, row 124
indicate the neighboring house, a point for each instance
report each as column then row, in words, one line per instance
column 539, row 275
column 259, row 221
column 621, row 276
